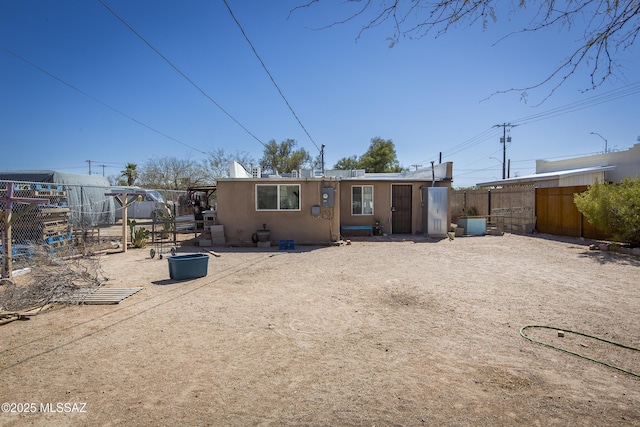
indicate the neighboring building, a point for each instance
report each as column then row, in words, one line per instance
column 556, row 182
column 616, row 165
column 609, row 167
column 311, row 209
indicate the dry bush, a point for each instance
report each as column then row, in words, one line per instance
column 51, row 279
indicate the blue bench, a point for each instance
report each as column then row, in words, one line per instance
column 368, row 228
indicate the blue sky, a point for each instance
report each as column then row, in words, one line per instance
column 428, row 95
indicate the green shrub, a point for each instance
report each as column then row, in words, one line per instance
column 613, row 208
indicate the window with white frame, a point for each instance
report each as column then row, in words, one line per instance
column 278, row 197
column 362, row 200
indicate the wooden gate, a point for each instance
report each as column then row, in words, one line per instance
column 557, row 214
column 401, row 209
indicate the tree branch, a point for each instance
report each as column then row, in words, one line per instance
column 609, row 26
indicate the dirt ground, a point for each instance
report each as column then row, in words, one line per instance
column 405, row 332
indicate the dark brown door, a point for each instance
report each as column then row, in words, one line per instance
column 401, row 209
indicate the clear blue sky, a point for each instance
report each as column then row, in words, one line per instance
column 426, row 95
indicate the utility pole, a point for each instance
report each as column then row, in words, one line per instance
column 102, row 166
column 504, row 141
column 89, row 161
column 416, row 166
column 322, row 158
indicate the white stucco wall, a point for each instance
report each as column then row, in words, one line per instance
column 627, row 164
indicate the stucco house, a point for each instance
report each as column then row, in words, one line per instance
column 316, row 209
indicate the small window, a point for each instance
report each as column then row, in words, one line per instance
column 281, row 197
column 362, row 200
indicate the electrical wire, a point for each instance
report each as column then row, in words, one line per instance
column 486, row 135
column 483, row 136
column 628, row 90
column 255, row 52
column 172, row 65
column 93, row 98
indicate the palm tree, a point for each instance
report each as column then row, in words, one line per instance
column 130, row 173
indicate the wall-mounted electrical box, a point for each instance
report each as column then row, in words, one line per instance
column 315, row 210
column 327, row 197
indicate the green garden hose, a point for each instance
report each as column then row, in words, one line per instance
column 577, row 354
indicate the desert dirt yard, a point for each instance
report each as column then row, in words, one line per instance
column 405, row 332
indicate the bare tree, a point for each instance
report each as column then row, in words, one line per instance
column 171, row 173
column 609, row 27
column 216, row 164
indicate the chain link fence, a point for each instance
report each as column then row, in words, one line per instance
column 58, row 218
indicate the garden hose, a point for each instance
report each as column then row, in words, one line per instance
column 578, row 354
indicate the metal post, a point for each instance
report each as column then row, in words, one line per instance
column 175, row 231
column 6, row 245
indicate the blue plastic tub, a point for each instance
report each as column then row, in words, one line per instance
column 182, row 267
column 287, row 245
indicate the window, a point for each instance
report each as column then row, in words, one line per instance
column 280, row 197
column 362, row 200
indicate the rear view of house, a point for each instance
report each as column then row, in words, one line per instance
column 311, row 209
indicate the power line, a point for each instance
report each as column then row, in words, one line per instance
column 255, row 52
column 630, row 89
column 180, row 71
column 483, row 136
column 96, row 99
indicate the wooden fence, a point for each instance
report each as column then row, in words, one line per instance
column 558, row 215
column 525, row 209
